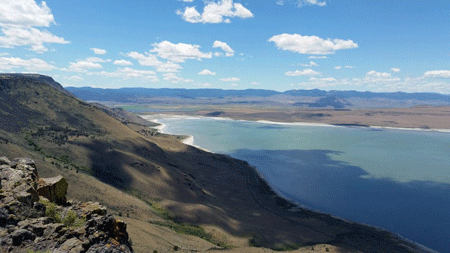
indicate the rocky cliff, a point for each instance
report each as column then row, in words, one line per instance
column 36, row 216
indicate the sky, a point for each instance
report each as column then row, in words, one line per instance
column 376, row 45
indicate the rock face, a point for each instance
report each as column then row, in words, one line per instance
column 54, row 189
column 35, row 215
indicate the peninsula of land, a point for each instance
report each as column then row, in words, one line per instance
column 423, row 118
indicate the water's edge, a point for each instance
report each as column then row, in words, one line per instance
column 256, row 180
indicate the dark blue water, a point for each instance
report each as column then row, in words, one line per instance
column 397, row 180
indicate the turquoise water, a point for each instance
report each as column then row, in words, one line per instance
column 394, row 179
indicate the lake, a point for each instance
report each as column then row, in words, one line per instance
column 395, row 179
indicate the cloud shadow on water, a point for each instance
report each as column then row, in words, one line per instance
column 417, row 210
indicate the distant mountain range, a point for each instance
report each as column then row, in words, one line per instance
column 131, row 94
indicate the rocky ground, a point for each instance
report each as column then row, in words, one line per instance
column 36, row 217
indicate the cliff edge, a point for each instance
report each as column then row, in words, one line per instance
column 36, row 216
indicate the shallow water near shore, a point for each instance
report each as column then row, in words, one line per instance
column 395, row 179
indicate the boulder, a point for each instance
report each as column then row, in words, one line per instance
column 90, row 208
column 4, row 161
column 72, row 245
column 54, row 189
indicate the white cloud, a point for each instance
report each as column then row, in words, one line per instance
column 122, row 62
column 205, row 84
column 230, row 79
column 96, row 59
column 233, row 84
column 375, row 74
column 280, row 2
column 255, row 83
column 28, row 36
column 311, row 2
column 326, row 79
column 151, row 60
column 207, row 72
column 34, row 64
column 25, row 13
column 225, row 47
column 305, row 72
column 18, row 20
column 349, row 67
column 187, row 1
column 437, row 74
column 216, row 12
column 317, row 57
column 310, row 44
column 179, row 52
column 173, row 78
column 84, row 65
column 98, row 50
column 337, row 67
column 396, row 70
column 75, row 78
column 127, row 73
column 310, row 64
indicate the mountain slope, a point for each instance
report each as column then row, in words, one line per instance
column 159, row 182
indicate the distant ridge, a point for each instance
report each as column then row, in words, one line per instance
column 130, row 94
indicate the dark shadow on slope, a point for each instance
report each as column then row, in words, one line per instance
column 242, row 196
column 109, row 160
column 418, row 210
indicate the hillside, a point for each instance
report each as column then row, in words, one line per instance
column 166, row 191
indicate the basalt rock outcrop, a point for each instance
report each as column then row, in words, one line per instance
column 36, row 216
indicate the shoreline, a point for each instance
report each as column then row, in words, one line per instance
column 297, row 123
column 294, row 206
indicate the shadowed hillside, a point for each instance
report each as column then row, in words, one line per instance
column 165, row 190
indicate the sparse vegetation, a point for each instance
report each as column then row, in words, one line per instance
column 70, row 220
column 189, row 229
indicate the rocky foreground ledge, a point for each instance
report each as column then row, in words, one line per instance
column 35, row 215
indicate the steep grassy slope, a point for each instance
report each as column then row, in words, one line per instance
column 161, row 184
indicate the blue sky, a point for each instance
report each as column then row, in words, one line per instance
column 377, row 45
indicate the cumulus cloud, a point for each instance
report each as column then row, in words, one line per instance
column 310, row 64
column 256, row 83
column 98, row 50
column 224, row 46
column 75, row 78
column 230, row 79
column 152, row 60
column 215, row 12
column 317, row 57
column 396, row 70
column 311, row 2
column 179, row 52
column 84, row 65
column 349, row 67
column 34, row 64
column 122, row 62
column 337, row 67
column 437, row 74
column 28, row 36
column 174, row 78
column 310, row 44
column 18, row 22
column 305, row 72
column 280, row 2
column 207, row 72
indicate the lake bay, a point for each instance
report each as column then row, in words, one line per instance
column 394, row 179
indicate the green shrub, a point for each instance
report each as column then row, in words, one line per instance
column 50, row 210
